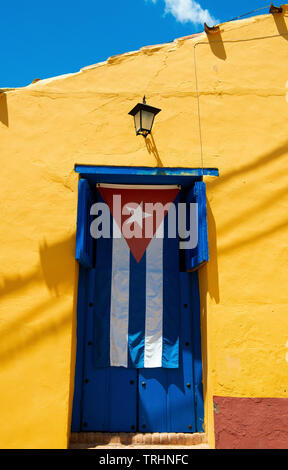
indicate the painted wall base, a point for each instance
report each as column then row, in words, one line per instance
column 250, row 423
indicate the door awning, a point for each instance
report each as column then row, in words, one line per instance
column 143, row 175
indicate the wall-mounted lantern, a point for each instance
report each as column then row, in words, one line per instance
column 143, row 117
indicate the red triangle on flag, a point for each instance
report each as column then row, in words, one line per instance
column 133, row 209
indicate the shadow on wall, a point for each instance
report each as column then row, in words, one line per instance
column 281, row 25
column 208, row 284
column 210, row 277
column 208, row 274
column 57, row 271
column 269, row 199
column 152, row 149
column 216, row 42
column 217, row 46
column 3, row 109
column 57, row 265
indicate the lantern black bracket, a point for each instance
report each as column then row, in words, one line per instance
column 144, row 117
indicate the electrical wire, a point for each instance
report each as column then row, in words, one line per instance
column 246, row 14
column 196, row 81
column 198, row 107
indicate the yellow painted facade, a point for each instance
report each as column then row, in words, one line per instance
column 47, row 127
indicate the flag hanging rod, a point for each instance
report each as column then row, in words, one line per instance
column 138, row 186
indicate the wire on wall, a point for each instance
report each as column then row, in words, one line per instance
column 196, row 78
column 246, row 14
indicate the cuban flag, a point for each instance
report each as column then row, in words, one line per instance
column 136, row 318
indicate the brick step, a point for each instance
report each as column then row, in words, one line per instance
column 90, row 440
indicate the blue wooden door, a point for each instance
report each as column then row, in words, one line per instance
column 109, row 394
column 168, row 400
column 117, row 399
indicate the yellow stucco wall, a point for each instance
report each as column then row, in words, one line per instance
column 47, row 127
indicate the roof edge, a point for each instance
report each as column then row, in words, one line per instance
column 146, row 50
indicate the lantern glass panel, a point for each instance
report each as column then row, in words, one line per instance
column 137, row 121
column 147, row 120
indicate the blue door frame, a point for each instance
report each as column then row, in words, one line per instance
column 127, row 384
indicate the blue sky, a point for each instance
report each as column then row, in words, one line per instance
column 43, row 39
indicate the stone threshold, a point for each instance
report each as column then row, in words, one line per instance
column 100, row 440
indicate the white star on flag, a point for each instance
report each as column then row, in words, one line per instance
column 137, row 215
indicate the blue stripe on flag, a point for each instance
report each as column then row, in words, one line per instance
column 101, row 327
column 171, row 299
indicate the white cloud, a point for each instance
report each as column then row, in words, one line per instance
column 188, row 11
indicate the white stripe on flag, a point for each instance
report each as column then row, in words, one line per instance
column 119, row 309
column 154, row 302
